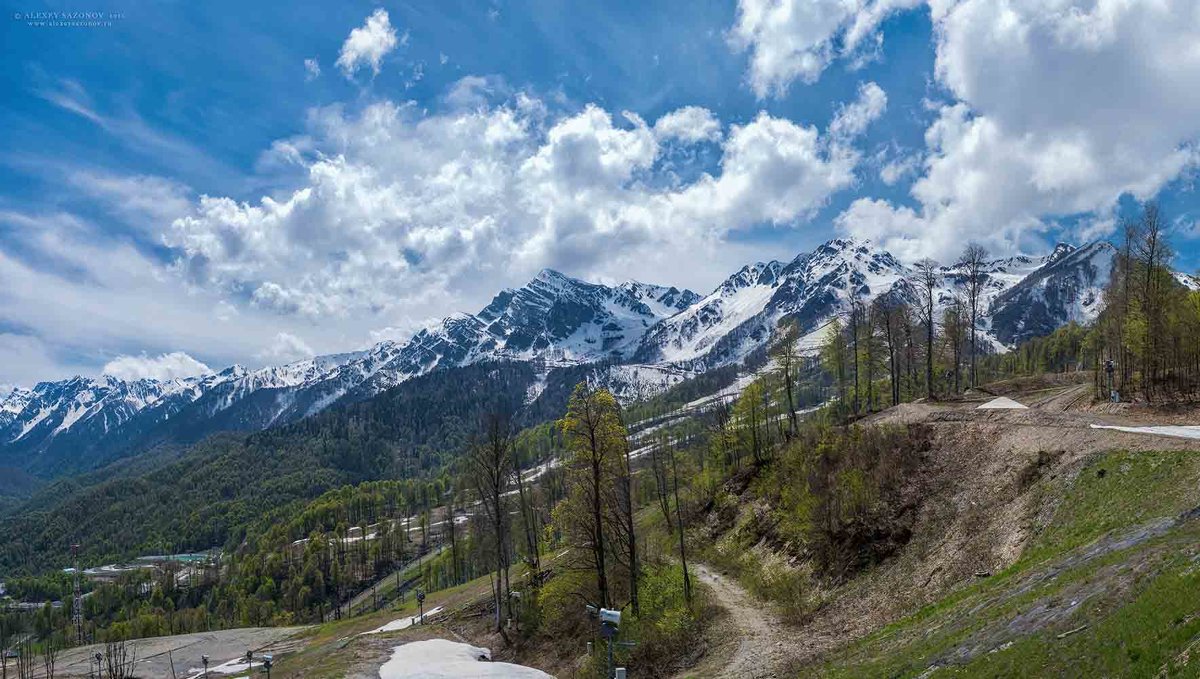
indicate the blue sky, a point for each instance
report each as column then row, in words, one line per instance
column 197, row 184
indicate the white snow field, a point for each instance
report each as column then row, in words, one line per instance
column 1189, row 431
column 444, row 659
column 403, row 623
column 1002, row 403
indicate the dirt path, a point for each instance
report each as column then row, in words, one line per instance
column 763, row 646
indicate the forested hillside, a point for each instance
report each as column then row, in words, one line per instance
column 212, row 494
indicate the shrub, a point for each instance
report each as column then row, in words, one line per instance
column 667, row 630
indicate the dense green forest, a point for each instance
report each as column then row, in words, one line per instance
column 213, row 494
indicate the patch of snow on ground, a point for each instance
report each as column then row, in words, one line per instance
column 403, row 623
column 1178, row 431
column 228, row 667
column 1002, row 403
column 444, row 659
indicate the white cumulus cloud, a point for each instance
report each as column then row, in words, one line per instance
column 689, row 124
column 790, row 40
column 285, row 348
column 1059, row 109
column 368, row 44
column 852, row 119
column 174, row 365
column 402, row 208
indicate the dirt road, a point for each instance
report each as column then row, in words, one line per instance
column 764, row 646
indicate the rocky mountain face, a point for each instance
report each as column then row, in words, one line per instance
column 1069, row 287
column 740, row 315
column 67, row 426
column 639, row 337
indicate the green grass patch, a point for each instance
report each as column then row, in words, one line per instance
column 1141, row 638
column 1114, row 491
column 1136, row 629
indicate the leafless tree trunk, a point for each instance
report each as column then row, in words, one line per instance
column 926, row 283
column 687, row 579
column 973, row 260
column 786, row 355
column 529, row 523
column 631, row 536
column 491, row 467
column 49, row 656
column 855, row 322
column 25, row 660
column 660, row 480
column 119, row 659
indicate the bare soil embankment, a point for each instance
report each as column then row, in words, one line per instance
column 992, row 480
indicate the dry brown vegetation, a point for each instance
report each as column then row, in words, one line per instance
column 974, row 490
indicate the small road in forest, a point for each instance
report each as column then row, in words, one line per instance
column 764, row 647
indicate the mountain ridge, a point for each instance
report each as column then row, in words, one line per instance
column 645, row 337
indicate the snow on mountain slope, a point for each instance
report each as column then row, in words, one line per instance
column 740, row 316
column 1067, row 288
column 574, row 320
column 12, row 402
column 631, row 382
column 642, row 339
column 693, row 331
column 742, row 313
column 1188, row 281
column 554, row 317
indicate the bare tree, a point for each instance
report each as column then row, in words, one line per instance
column 954, row 322
column 926, row 280
column 868, row 315
column 49, row 656
column 973, row 262
column 661, row 486
column 833, row 358
column 25, row 660
column 491, row 470
column 1154, row 252
column 626, row 507
column 528, row 521
column 787, row 355
column 120, row 658
column 855, row 323
column 450, row 525
column 5, row 633
column 687, row 579
column 887, row 311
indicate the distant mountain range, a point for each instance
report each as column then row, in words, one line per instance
column 641, row 338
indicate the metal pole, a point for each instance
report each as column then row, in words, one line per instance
column 610, row 658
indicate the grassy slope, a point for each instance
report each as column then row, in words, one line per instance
column 1118, row 559
column 335, row 649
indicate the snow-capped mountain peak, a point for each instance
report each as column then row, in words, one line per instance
column 1068, row 286
column 650, row 330
column 1060, row 251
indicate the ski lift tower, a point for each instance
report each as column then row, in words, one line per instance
column 77, row 604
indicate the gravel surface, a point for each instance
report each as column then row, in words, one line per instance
column 763, row 640
column 157, row 654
